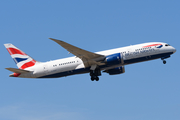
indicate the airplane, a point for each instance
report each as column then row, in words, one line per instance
column 110, row 61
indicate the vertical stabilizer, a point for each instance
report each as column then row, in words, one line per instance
column 22, row 60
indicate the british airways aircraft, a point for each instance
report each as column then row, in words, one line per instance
column 109, row 61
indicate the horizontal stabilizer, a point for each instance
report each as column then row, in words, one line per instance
column 17, row 70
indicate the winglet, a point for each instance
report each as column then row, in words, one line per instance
column 56, row 40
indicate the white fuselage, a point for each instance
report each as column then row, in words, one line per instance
column 74, row 65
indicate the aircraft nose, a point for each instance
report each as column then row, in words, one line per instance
column 174, row 50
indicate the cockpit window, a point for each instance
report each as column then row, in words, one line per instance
column 167, row 45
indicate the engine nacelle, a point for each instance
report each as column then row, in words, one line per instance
column 115, row 71
column 114, row 59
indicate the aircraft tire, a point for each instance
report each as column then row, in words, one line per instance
column 164, row 62
column 97, row 78
column 92, row 78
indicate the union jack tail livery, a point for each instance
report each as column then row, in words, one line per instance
column 22, row 60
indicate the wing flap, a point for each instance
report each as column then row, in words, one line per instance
column 17, row 70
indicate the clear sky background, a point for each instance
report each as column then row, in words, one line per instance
column 147, row 91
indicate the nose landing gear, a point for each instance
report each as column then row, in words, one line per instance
column 164, row 62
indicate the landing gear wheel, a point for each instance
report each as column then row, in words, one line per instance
column 97, row 78
column 92, row 78
column 164, row 62
column 94, row 74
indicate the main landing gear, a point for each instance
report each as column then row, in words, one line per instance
column 94, row 74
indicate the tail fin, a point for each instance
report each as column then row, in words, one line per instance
column 22, row 60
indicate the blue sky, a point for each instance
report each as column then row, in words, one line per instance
column 148, row 90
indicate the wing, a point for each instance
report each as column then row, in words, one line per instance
column 86, row 56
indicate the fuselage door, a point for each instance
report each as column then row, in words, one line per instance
column 45, row 68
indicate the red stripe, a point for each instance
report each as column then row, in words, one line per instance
column 152, row 45
column 15, row 51
column 16, row 74
column 28, row 64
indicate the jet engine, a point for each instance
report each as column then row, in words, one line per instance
column 115, row 71
column 114, row 59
